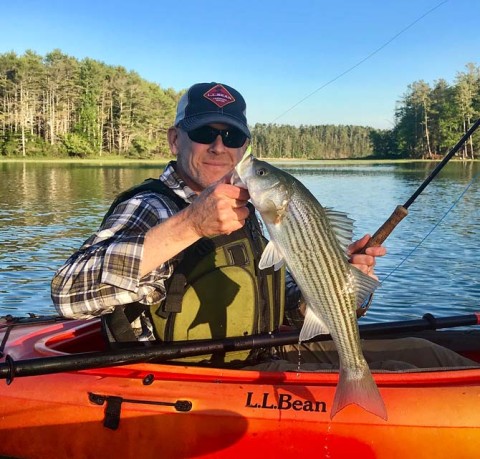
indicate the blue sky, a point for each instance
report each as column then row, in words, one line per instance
column 295, row 61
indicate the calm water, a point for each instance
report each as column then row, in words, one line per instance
column 48, row 209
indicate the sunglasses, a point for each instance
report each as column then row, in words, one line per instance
column 231, row 137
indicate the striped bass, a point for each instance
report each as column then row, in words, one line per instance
column 312, row 241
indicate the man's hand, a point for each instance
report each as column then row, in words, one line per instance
column 219, row 209
column 365, row 262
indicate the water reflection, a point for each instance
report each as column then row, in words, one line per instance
column 49, row 209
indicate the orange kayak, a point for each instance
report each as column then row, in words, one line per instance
column 160, row 410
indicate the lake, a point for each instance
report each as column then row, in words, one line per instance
column 433, row 264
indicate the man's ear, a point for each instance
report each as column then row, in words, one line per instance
column 172, row 137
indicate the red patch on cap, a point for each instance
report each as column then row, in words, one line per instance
column 219, row 96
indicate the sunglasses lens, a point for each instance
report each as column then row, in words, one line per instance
column 204, row 134
column 231, row 137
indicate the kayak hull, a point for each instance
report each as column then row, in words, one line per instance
column 180, row 411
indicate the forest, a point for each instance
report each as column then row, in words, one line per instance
column 57, row 106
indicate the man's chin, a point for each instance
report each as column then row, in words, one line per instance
column 221, row 175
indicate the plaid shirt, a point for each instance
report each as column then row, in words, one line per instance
column 104, row 272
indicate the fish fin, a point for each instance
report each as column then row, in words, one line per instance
column 312, row 326
column 359, row 388
column 342, row 226
column 271, row 256
column 364, row 284
column 273, row 213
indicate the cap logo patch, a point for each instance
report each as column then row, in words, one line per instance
column 219, row 96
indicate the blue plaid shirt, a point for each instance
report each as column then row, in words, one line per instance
column 104, row 272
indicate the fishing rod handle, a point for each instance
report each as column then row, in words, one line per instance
column 384, row 231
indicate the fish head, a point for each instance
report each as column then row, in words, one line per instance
column 269, row 187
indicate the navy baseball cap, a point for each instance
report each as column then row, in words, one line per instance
column 207, row 103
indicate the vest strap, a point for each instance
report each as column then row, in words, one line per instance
column 173, row 301
column 117, row 323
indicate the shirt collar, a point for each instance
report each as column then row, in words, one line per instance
column 175, row 183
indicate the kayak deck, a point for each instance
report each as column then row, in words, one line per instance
column 182, row 411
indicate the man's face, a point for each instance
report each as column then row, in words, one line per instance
column 200, row 165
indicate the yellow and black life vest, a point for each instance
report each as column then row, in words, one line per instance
column 216, row 290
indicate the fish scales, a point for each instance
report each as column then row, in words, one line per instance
column 312, row 242
column 305, row 228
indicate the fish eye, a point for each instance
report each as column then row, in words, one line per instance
column 262, row 171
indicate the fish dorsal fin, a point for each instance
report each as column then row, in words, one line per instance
column 312, row 326
column 365, row 285
column 342, row 226
column 271, row 256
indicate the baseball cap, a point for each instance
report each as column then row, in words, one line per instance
column 207, row 103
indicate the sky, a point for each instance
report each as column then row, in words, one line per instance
column 295, row 61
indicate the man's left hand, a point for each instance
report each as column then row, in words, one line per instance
column 365, row 262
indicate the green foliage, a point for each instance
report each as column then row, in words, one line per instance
column 77, row 145
column 311, row 142
column 384, row 144
column 430, row 121
column 87, row 126
column 83, row 108
column 141, row 148
column 9, row 145
column 57, row 105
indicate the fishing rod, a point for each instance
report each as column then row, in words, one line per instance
column 400, row 211
column 162, row 352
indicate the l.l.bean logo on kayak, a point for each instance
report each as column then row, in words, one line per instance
column 269, row 401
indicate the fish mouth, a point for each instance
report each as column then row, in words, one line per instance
column 246, row 155
column 236, row 178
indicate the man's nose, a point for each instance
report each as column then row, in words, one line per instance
column 218, row 145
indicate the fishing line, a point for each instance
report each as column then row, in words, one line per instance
column 433, row 228
column 361, row 61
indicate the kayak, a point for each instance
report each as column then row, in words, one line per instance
column 179, row 410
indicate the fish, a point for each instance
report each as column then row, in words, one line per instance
column 312, row 241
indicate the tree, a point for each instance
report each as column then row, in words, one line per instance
column 467, row 90
column 430, row 121
column 421, row 100
column 384, row 143
column 88, row 120
column 61, row 91
column 444, row 124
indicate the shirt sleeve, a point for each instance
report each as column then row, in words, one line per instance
column 105, row 271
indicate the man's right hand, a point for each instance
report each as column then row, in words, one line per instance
column 219, row 209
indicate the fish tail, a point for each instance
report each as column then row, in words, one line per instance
column 359, row 389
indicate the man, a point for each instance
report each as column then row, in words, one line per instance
column 177, row 257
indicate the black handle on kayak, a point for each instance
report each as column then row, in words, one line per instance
column 161, row 352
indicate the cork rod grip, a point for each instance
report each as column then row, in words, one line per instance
column 384, row 231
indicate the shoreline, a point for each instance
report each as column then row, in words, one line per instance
column 289, row 161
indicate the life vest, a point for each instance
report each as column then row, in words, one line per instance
column 216, row 290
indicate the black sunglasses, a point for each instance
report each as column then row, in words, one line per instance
column 231, row 137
